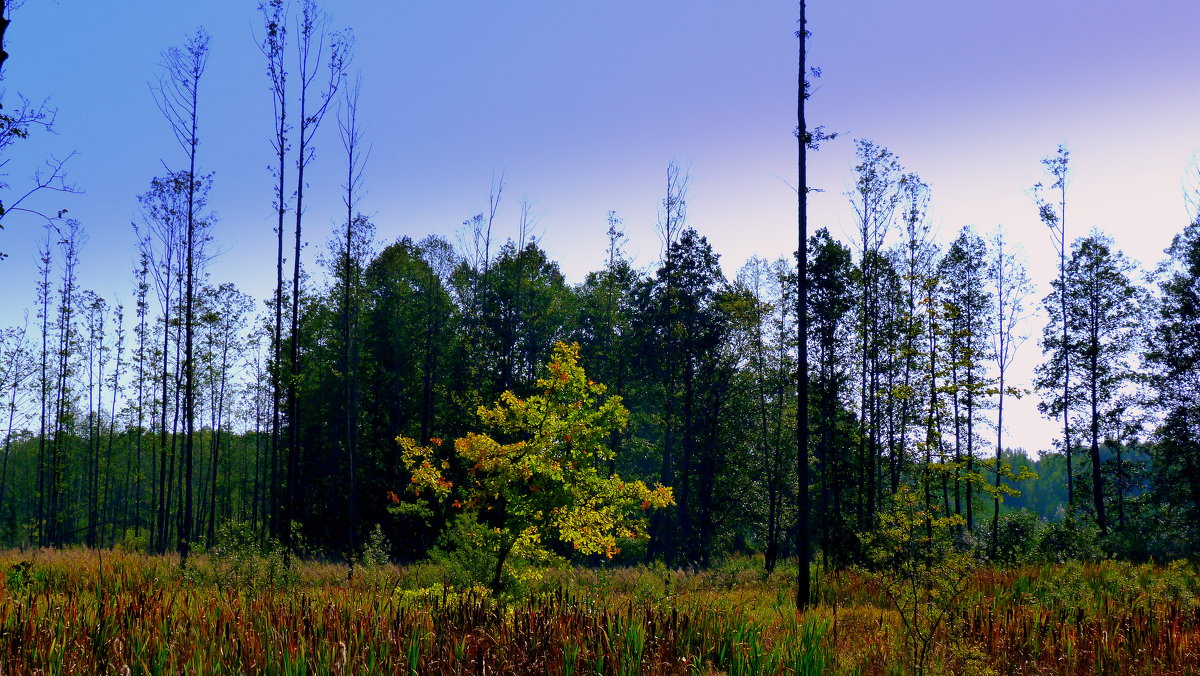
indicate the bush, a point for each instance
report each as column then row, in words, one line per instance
column 1071, row 539
column 17, row 576
column 372, row 564
column 134, row 544
column 239, row 561
column 1153, row 532
column 377, row 550
column 1019, row 538
column 460, row 553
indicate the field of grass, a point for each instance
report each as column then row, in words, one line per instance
column 83, row 611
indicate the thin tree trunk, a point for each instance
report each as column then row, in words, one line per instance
column 1097, row 474
column 803, row 540
column 45, row 257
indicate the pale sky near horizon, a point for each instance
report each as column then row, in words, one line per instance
column 582, row 106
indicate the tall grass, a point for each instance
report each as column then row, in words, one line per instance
column 88, row 612
column 78, row 612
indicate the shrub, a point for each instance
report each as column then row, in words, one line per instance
column 238, row 560
column 134, row 544
column 1019, row 538
column 1071, row 539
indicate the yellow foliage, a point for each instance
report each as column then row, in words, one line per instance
column 547, row 484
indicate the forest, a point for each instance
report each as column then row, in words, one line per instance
column 456, row 416
column 907, row 355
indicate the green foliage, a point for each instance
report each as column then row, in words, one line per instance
column 1023, row 538
column 371, row 565
column 922, row 571
column 18, row 575
column 377, row 549
column 1071, row 539
column 239, row 561
column 1019, row 538
column 465, row 562
column 133, row 543
column 1044, row 495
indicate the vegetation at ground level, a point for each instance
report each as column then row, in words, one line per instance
column 80, row 611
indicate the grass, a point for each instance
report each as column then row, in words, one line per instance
column 83, row 612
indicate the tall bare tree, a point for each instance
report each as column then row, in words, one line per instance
column 72, row 238
column 45, row 261
column 314, row 43
column 274, row 48
column 877, row 193
column 178, row 97
column 356, row 157
column 142, row 310
column 1056, row 220
column 803, row 537
column 1011, row 286
column 159, row 238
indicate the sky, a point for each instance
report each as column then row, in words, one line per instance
column 581, row 106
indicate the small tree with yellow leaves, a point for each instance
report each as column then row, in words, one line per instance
column 921, row 569
column 536, row 475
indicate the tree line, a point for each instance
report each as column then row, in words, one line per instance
column 153, row 425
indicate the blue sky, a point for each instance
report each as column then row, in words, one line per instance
column 582, row 105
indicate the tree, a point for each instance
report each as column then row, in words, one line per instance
column 222, row 320
column 95, row 353
column 771, row 286
column 830, row 302
column 525, row 307
column 1103, row 320
column 606, row 306
column 1056, row 221
column 17, row 364
column 1173, row 353
column 545, row 484
column 875, row 197
column 178, row 98
column 159, row 237
column 1011, row 286
column 672, row 219
column 351, row 273
column 921, row 570
column 141, row 311
column 806, row 139
column 45, row 266
column 273, row 47
column 803, row 528
column 313, row 40
column 72, row 239
column 688, row 321
column 922, row 318
column 968, row 307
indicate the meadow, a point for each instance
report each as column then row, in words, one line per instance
column 81, row 611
